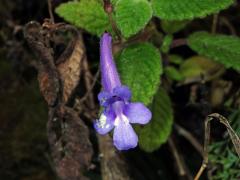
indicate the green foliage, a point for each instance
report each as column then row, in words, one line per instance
column 154, row 134
column 187, row 9
column 202, row 67
column 224, row 161
column 221, row 48
column 172, row 73
column 167, row 41
column 86, row 14
column 114, row 2
column 132, row 15
column 140, row 68
column 175, row 59
column 171, row 27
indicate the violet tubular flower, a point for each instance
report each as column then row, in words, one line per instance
column 118, row 111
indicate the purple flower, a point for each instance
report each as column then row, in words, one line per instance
column 118, row 111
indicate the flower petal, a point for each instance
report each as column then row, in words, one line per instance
column 137, row 113
column 124, row 137
column 109, row 74
column 123, row 92
column 105, row 123
column 103, row 98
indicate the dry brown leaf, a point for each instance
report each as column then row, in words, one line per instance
column 70, row 66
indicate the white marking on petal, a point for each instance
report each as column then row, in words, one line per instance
column 119, row 118
column 103, row 100
column 102, row 121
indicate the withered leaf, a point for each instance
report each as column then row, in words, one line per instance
column 37, row 39
column 70, row 64
column 69, row 143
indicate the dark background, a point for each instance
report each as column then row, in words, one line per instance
column 24, row 151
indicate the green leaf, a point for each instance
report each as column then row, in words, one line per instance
column 187, row 9
column 154, row 134
column 132, row 15
column 175, row 59
column 140, row 68
column 167, row 41
column 221, row 48
column 172, row 73
column 198, row 67
column 171, row 27
column 86, row 14
column 114, row 2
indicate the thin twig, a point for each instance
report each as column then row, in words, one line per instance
column 214, row 24
column 228, row 24
column 114, row 26
column 205, row 149
column 183, row 132
column 178, row 42
column 50, row 10
column 84, row 98
column 179, row 160
column 108, row 8
column 234, row 137
column 88, row 83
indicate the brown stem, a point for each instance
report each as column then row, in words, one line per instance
column 183, row 132
column 234, row 137
column 228, row 24
column 205, row 149
column 114, row 27
column 179, row 159
column 84, row 98
column 178, row 42
column 214, row 24
column 88, row 83
column 108, row 8
column 50, row 10
column 113, row 164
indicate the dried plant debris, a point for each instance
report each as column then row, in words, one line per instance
column 70, row 64
column 233, row 135
column 113, row 165
column 69, row 141
column 58, row 77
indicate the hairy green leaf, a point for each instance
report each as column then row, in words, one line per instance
column 221, row 48
column 132, row 15
column 187, row 9
column 154, row 134
column 86, row 14
column 140, row 68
